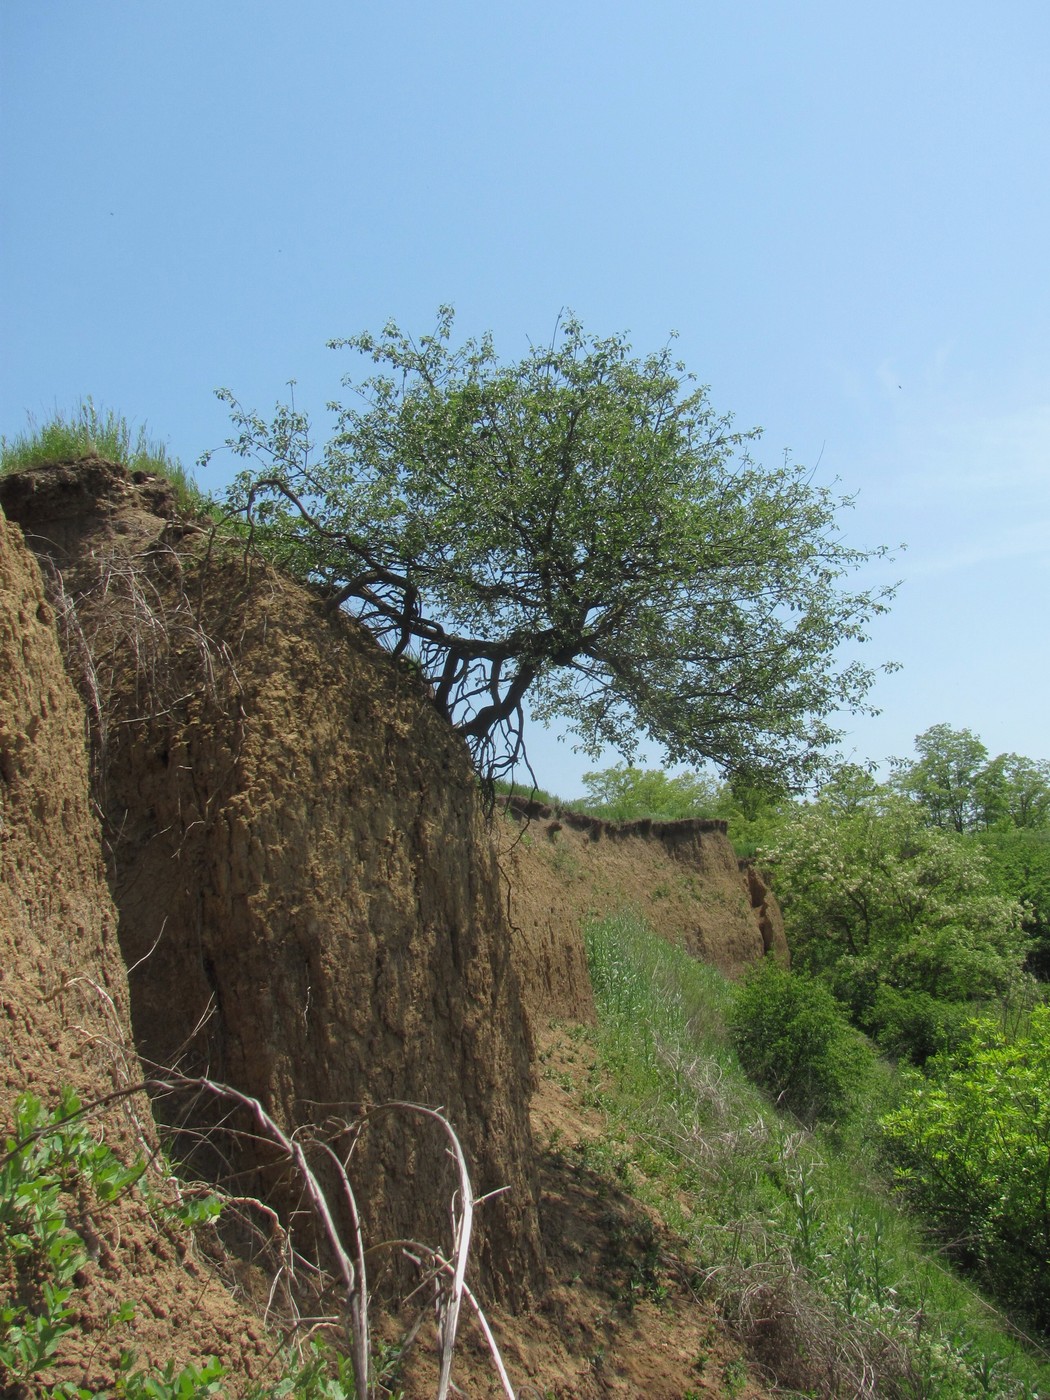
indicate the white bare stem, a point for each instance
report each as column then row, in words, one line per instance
column 358, row 1302
column 462, row 1227
column 358, row 1297
column 444, row 1266
column 449, row 1274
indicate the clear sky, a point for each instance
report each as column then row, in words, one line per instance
column 844, row 210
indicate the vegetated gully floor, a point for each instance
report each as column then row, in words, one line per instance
column 621, row 1317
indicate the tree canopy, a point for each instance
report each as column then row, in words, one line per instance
column 581, row 528
column 959, row 788
column 877, row 901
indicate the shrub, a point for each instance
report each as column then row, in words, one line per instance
column 971, row 1146
column 793, row 1039
column 914, row 1025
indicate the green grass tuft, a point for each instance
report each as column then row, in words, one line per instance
column 91, row 431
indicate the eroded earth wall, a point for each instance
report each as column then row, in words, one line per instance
column 305, row 900
column 64, row 1010
column 682, row 877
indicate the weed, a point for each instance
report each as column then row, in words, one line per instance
column 734, row 1377
column 565, row 862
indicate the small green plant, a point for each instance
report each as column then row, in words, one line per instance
column 189, row 1382
column 565, row 862
column 45, row 1158
column 807, row 1226
column 734, row 1377
column 322, row 1373
column 49, row 1159
column 89, row 430
column 52, row 1169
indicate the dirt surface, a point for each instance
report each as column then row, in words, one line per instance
column 624, row 1314
column 62, row 978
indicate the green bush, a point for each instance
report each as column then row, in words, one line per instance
column 971, row 1146
column 794, row 1040
column 914, row 1026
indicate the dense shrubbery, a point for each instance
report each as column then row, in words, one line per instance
column 790, row 1231
column 795, row 1041
column 921, row 905
column 1019, row 867
column 901, row 919
column 971, row 1145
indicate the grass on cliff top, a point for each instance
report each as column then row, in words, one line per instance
column 89, row 430
column 824, row 1276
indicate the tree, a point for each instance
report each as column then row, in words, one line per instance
column 879, row 902
column 959, row 787
column 946, row 777
column 581, row 528
column 1014, row 791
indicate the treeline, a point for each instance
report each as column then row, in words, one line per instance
column 918, row 915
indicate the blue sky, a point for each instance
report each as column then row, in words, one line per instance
column 843, row 210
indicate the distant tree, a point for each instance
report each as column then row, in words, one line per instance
column 754, row 809
column 624, row 793
column 959, row 787
column 580, row 528
column 945, row 778
column 1013, row 791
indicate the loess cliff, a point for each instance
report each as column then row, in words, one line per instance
column 64, row 1003
column 683, row 877
column 305, row 897
column 251, row 849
